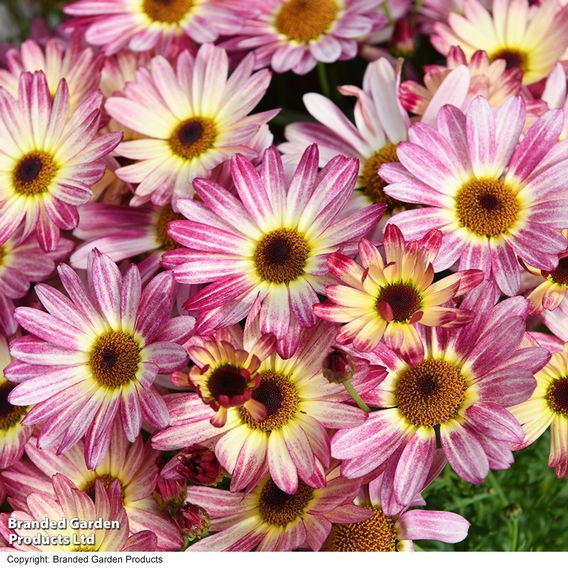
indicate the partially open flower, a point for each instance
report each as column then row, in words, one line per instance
column 193, row 520
column 338, row 366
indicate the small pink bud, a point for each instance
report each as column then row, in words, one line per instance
column 198, row 464
column 193, row 520
column 338, row 366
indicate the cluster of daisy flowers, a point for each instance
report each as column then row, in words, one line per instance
column 224, row 336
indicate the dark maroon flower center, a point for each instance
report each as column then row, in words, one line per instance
column 278, row 508
column 227, row 380
column 402, row 299
column 10, row 415
column 560, row 273
column 557, row 395
column 34, row 173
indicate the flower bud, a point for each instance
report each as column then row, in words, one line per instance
column 169, row 492
column 402, row 41
column 338, row 366
column 193, row 520
column 198, row 464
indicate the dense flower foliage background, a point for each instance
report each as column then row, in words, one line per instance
column 285, row 274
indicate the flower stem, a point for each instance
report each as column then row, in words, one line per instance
column 355, row 396
column 323, row 79
column 388, row 13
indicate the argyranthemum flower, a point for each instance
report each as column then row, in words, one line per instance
column 123, row 232
column 93, row 357
column 291, row 442
column 133, row 465
column 530, row 38
column 269, row 519
column 140, row 25
column 48, row 159
column 296, row 34
column 390, row 297
column 461, row 386
column 58, row 59
column 70, row 503
column 548, row 408
column 22, row 262
column 394, row 533
column 272, row 244
column 13, row 434
column 191, row 117
column 493, row 198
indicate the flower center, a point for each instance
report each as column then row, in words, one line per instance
column 34, row 173
column 106, row 480
column 487, row 207
column 166, row 215
column 227, row 381
column 377, row 534
column 193, row 137
column 10, row 415
column 280, row 398
column 305, row 20
column 278, row 508
column 281, row 256
column 430, row 393
column 374, row 184
column 400, row 299
column 114, row 359
column 513, row 58
column 560, row 274
column 557, row 395
column 167, row 11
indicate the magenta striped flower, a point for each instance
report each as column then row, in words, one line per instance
column 141, row 25
column 269, row 519
column 68, row 502
column 296, row 34
column 49, row 159
column 495, row 199
column 93, row 357
column 273, row 244
column 462, row 385
column 133, row 465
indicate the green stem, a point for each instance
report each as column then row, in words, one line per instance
column 514, row 533
column 497, row 488
column 388, row 13
column 323, row 79
column 355, row 396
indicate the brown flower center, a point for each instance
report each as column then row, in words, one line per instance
column 166, row 215
column 430, row 393
column 279, row 396
column 377, row 534
column 557, row 395
column 402, row 299
column 114, row 359
column 34, row 173
column 281, row 256
column 305, row 20
column 10, row 415
column 278, row 508
column 513, row 58
column 106, row 480
column 167, row 11
column 487, row 207
column 193, row 137
column 374, row 184
column 560, row 274
column 227, row 380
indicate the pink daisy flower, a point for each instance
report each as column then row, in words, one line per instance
column 81, row 68
column 22, row 262
column 66, row 503
column 93, row 357
column 272, row 244
column 385, row 532
column 141, row 25
column 290, row 441
column 13, row 434
column 269, row 519
column 48, row 159
column 133, row 465
column 495, row 199
column 389, row 298
column 462, row 386
column 190, row 117
column 296, row 34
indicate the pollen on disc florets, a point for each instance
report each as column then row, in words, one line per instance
column 487, row 207
column 10, row 415
column 373, row 184
column 167, row 11
column 430, row 393
column 193, row 137
column 34, row 173
column 305, row 20
column 278, row 508
column 165, row 216
column 557, row 395
column 114, row 359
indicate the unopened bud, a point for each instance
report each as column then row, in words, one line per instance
column 169, row 491
column 402, row 42
column 338, row 366
column 198, row 464
column 193, row 520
